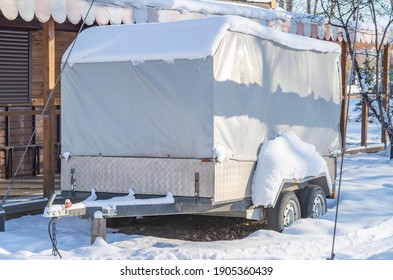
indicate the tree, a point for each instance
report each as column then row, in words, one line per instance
column 344, row 13
column 368, row 70
column 286, row 4
column 303, row 7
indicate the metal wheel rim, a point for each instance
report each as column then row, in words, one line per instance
column 291, row 213
column 318, row 207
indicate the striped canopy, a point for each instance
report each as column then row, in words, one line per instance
column 106, row 12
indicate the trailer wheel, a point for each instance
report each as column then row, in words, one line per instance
column 286, row 211
column 313, row 202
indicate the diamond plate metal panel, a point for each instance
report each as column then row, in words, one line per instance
column 232, row 180
column 143, row 175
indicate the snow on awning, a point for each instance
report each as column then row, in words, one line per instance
column 73, row 10
column 106, row 12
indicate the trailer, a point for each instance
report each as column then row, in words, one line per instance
column 178, row 117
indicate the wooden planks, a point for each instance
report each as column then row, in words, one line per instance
column 98, row 229
column 17, row 122
column 49, row 78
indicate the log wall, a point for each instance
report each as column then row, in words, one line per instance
column 17, row 123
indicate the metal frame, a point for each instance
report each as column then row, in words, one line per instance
column 182, row 205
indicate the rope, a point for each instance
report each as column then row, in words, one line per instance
column 11, row 184
column 344, row 137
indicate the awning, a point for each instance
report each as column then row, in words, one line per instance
column 106, row 12
column 73, row 10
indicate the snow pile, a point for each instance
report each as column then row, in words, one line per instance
column 98, row 215
column 92, row 196
column 220, row 153
column 285, row 157
column 126, row 200
column 66, row 156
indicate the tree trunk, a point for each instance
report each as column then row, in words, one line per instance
column 316, row 7
column 289, row 5
column 332, row 7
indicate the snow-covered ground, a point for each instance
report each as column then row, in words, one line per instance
column 364, row 230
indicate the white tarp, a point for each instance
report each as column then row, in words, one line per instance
column 262, row 88
column 153, row 109
column 179, row 89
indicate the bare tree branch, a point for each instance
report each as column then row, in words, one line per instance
column 341, row 13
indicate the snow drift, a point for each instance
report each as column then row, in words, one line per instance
column 285, row 157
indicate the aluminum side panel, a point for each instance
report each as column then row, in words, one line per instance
column 143, row 175
column 232, row 180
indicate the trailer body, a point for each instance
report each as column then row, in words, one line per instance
column 147, row 107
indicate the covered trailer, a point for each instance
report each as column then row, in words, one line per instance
column 180, row 110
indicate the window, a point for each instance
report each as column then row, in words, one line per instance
column 14, row 67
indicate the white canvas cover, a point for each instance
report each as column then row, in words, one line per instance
column 262, row 88
column 178, row 89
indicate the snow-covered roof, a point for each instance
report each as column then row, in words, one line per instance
column 186, row 39
column 137, row 11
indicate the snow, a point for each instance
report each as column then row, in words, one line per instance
column 363, row 85
column 220, row 153
column 107, row 204
column 165, row 41
column 174, row 40
column 66, row 155
column 207, row 7
column 285, row 157
column 98, row 215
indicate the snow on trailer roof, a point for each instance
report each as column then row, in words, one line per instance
column 185, row 39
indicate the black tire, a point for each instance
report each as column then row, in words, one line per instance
column 313, row 202
column 286, row 211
